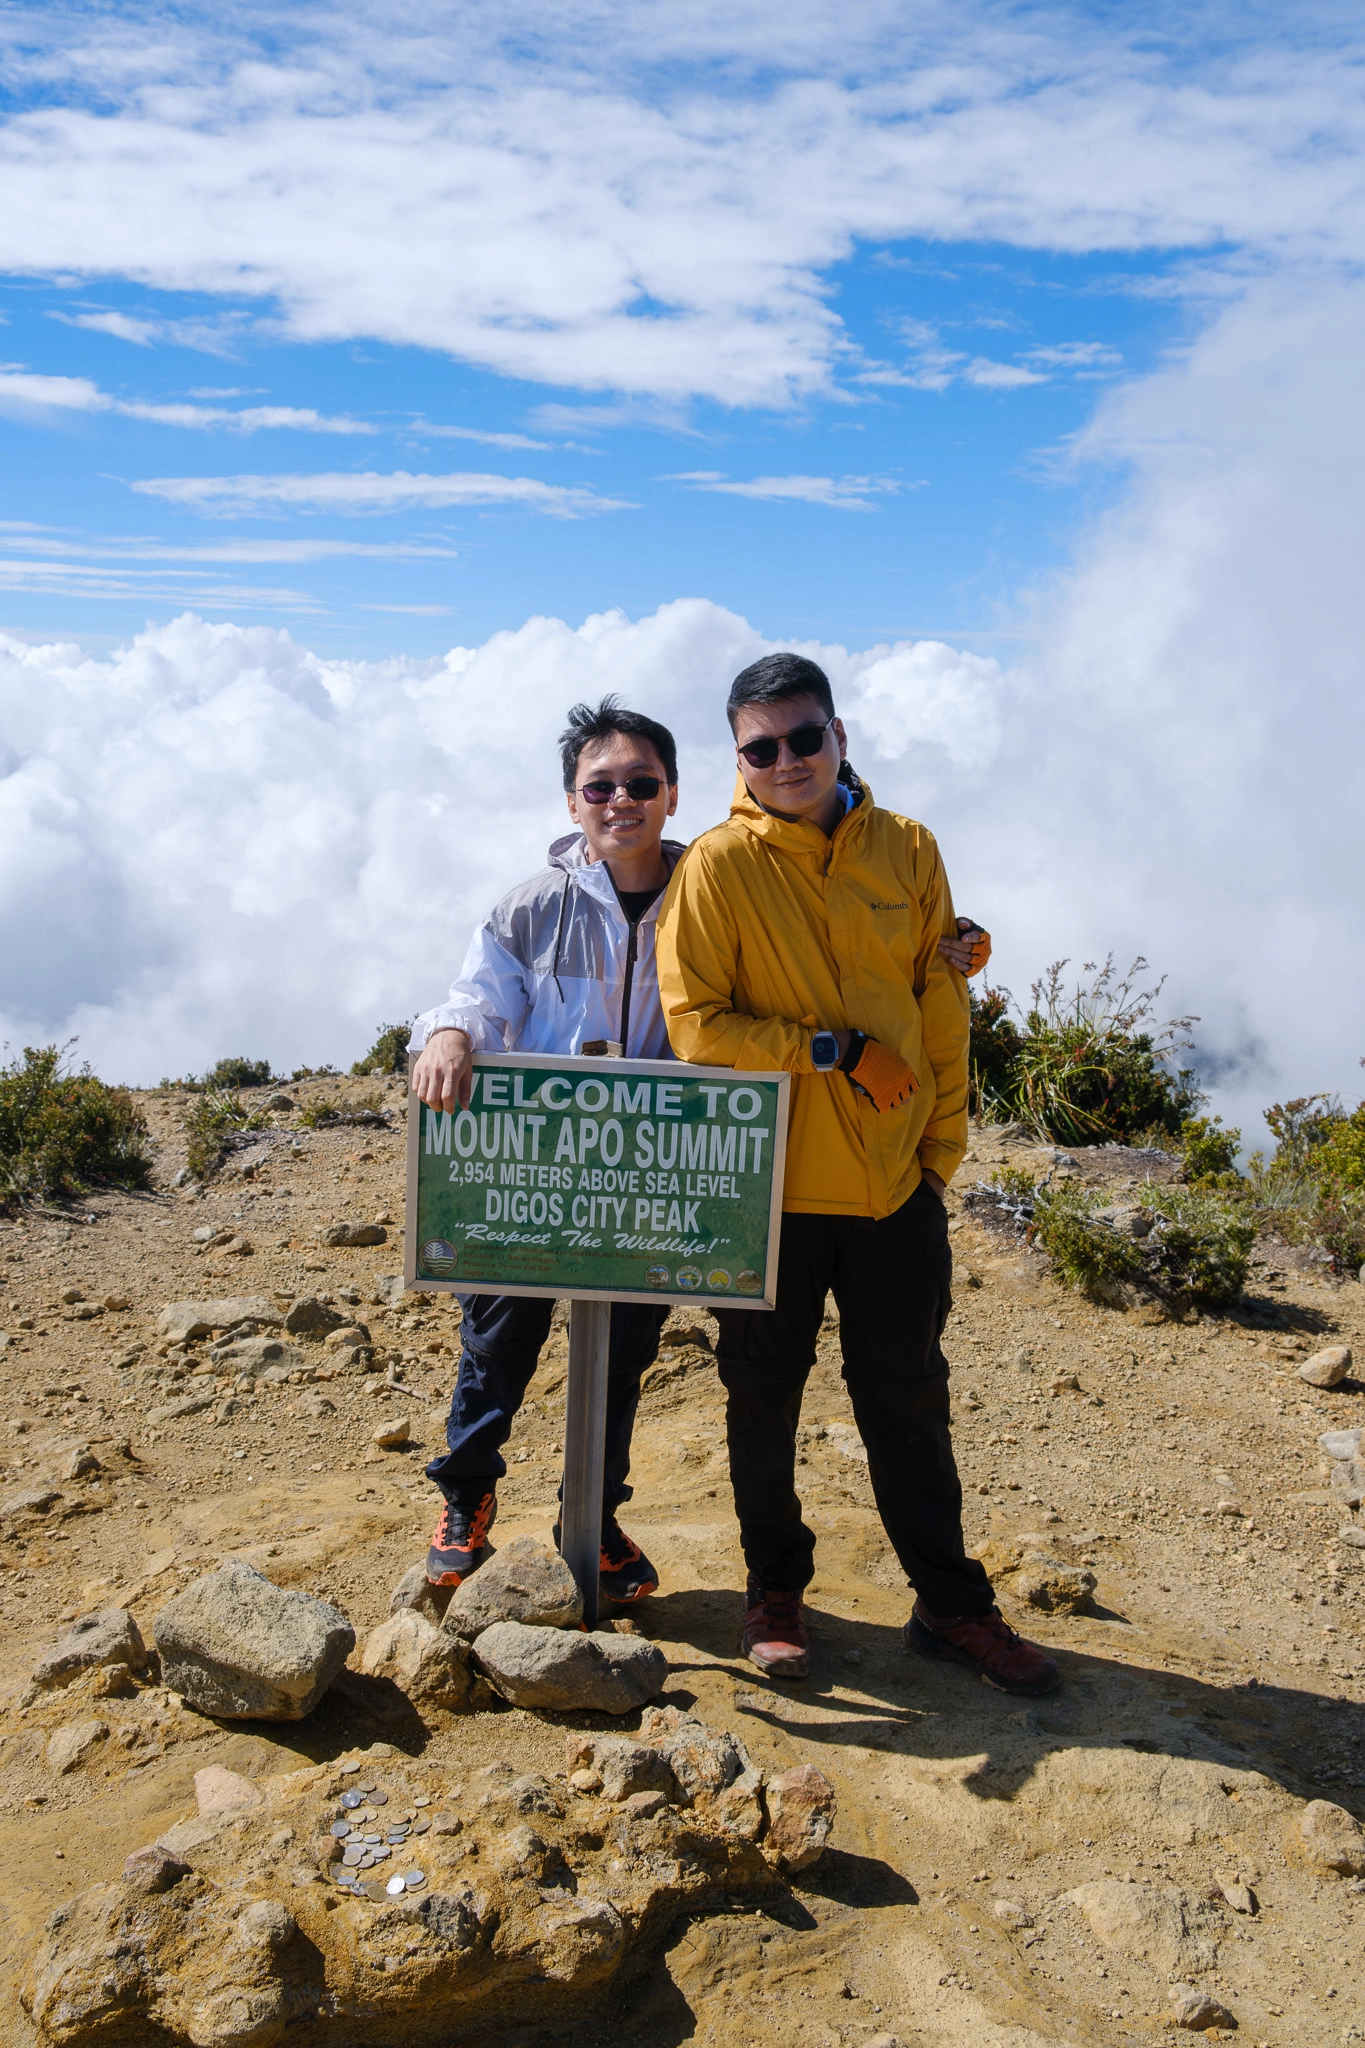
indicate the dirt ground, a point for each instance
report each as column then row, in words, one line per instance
column 1217, row 1683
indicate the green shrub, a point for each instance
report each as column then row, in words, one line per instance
column 1204, row 1243
column 61, row 1131
column 1210, row 1152
column 316, row 1074
column 1338, row 1157
column 389, row 1053
column 1196, row 1252
column 1085, row 1254
column 213, row 1119
column 995, row 1045
column 239, row 1073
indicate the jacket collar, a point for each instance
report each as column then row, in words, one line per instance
column 570, row 854
column 794, row 835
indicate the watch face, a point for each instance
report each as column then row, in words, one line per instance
column 824, row 1050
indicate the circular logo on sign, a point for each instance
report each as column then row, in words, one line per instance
column 749, row 1282
column 439, row 1258
column 718, row 1277
column 689, row 1277
column 658, row 1276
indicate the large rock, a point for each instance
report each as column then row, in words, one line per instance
column 181, row 1320
column 68, row 1748
column 525, row 1581
column 620, row 1768
column 431, row 1667
column 109, row 1636
column 1327, row 1368
column 562, row 1668
column 257, row 1354
column 1052, row 1584
column 1333, row 1838
column 705, row 1761
column 237, row 1646
column 309, row 1317
column 354, row 1233
column 801, row 1810
column 1194, row 2009
column 1159, row 1924
column 188, row 1404
column 415, row 1590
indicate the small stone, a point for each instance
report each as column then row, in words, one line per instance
column 309, row 1317
column 626, row 1768
column 108, row 1636
column 416, row 1591
column 525, row 1581
column 585, row 1781
column 354, row 1234
column 1327, row 1368
column 1353, row 1536
column 217, row 1790
column 80, row 1463
column 116, row 1303
column 181, row 1320
column 153, row 1869
column 69, row 1747
column 1333, row 1837
column 1239, row 1896
column 237, row 1646
column 801, row 1810
column 389, row 1435
column 643, row 1805
column 1231, row 1507
column 1341, row 1443
column 1011, row 1914
column 1195, row 2009
column 562, row 1668
column 279, row 1101
column 1052, row 1584
column 316, row 1406
column 349, row 1334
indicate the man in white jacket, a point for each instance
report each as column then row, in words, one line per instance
column 563, row 964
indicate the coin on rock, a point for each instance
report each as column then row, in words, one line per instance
column 377, row 1892
column 414, row 1879
column 419, row 1827
column 348, row 1770
column 350, row 1856
column 340, row 1828
column 422, row 1799
column 350, row 1800
column 394, row 1886
column 378, row 1798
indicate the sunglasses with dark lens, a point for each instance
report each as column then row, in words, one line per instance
column 639, row 789
column 804, row 741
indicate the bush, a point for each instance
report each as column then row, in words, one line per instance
column 239, row 1073
column 389, row 1053
column 1195, row 1253
column 1210, row 1152
column 61, row 1131
column 1338, row 1156
column 1088, row 1068
column 316, row 1074
column 213, row 1119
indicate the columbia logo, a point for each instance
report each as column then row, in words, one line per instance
column 889, row 906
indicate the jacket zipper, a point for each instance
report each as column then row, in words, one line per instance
column 625, row 992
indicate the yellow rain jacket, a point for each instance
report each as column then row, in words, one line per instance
column 769, row 932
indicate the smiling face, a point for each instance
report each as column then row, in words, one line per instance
column 627, row 827
column 793, row 787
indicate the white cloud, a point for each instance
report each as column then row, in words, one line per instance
column 123, row 326
column 28, row 393
column 845, row 493
column 367, row 491
column 649, row 206
column 424, row 428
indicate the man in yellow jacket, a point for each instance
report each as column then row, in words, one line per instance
column 803, row 934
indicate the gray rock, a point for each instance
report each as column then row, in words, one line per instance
column 181, row 1320
column 1348, row 1481
column 1195, row 2009
column 1353, row 1536
column 389, row 1290
column 309, row 1317
column 525, row 1581
column 153, row 1869
column 254, row 1354
column 626, row 1767
column 68, row 1748
column 316, row 1405
column 188, row 1404
column 416, row 1591
column 355, row 1233
column 704, row 1761
column 80, row 1463
column 562, row 1668
column 108, row 1636
column 32, row 1500
column 431, row 1667
column 1341, row 1443
column 1160, row 1924
column 280, row 1102
column 237, row 1646
column 1333, row 1838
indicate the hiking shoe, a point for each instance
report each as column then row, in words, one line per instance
column 984, row 1643
column 625, row 1573
column 775, row 1636
column 459, row 1542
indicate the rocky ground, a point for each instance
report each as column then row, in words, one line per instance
column 1000, row 1872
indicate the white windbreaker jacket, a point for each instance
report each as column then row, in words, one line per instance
column 553, row 967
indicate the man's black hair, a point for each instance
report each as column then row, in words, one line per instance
column 586, row 727
column 776, row 677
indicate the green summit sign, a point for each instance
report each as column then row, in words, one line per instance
column 632, row 1180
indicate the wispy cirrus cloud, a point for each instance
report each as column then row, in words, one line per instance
column 370, row 491
column 31, row 394
column 844, row 493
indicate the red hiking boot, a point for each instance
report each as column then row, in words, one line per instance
column 775, row 1636
column 984, row 1643
column 459, row 1542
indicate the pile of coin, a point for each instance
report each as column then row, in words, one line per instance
column 365, row 1841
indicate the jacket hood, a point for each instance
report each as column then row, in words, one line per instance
column 570, row 855
column 794, row 835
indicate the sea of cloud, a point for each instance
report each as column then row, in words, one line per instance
column 214, row 841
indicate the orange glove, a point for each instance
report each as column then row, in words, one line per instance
column 969, row 951
column 884, row 1077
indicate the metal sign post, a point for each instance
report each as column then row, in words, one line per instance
column 601, row 1180
column 585, row 1430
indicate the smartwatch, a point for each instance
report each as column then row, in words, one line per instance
column 824, row 1052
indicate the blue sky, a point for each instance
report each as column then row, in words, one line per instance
column 376, row 378
column 922, row 506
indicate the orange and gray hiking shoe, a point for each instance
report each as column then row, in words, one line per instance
column 624, row 1573
column 986, row 1644
column 459, row 1542
column 775, row 1635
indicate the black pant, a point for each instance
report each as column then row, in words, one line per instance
column 503, row 1335
column 892, row 1280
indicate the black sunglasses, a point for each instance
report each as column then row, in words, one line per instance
column 804, row 741
column 639, row 789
